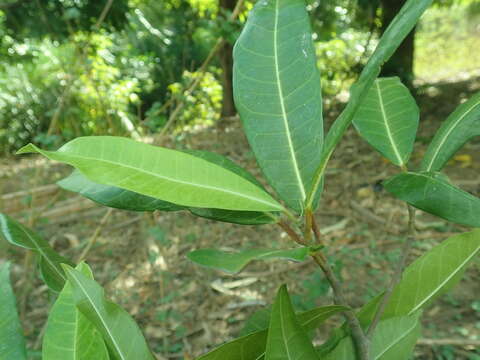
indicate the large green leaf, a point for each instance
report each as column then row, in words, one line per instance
column 165, row 174
column 278, row 95
column 112, row 196
column 460, row 126
column 396, row 32
column 69, row 334
column 234, row 262
column 12, row 342
column 287, row 339
column 388, row 119
column 394, row 339
column 252, row 346
column 430, row 192
column 19, row 235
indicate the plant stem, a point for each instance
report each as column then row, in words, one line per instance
column 293, row 235
column 360, row 339
column 397, row 275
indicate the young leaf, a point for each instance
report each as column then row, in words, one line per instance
column 394, row 339
column 278, row 95
column 431, row 193
column 69, row 334
column 19, row 235
column 286, row 337
column 460, row 126
column 12, row 342
column 252, row 346
column 234, row 262
column 164, row 174
column 112, row 196
column 396, row 32
column 388, row 119
column 120, row 332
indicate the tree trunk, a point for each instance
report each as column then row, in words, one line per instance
column 401, row 63
column 226, row 62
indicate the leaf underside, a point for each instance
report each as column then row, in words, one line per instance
column 388, row 119
column 278, row 95
column 431, row 193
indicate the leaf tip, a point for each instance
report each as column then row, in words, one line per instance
column 30, row 148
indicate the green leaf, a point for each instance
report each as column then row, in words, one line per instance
column 19, row 235
column 462, row 125
column 118, row 198
column 252, row 346
column 258, row 321
column 394, row 339
column 164, row 174
column 278, row 95
column 391, row 39
column 112, row 196
column 120, row 332
column 12, row 342
column 431, row 193
column 69, row 334
column 234, row 262
column 388, row 119
column 287, row 339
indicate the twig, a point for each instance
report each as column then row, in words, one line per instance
column 316, row 231
column 95, row 235
column 397, row 275
column 359, row 337
column 103, row 15
column 295, row 237
column 452, row 342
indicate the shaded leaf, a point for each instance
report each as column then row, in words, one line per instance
column 69, row 334
column 165, row 174
column 252, row 346
column 120, row 332
column 19, row 235
column 287, row 339
column 236, row 217
column 391, row 39
column 431, row 192
column 12, row 342
column 462, row 125
column 234, row 262
column 394, row 339
column 388, row 119
column 258, row 321
column 112, row 196
column 278, row 95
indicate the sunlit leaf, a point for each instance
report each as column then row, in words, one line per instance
column 277, row 93
column 252, row 346
column 69, row 335
column 164, row 174
column 120, row 332
column 388, row 119
column 462, row 125
column 19, row 235
column 234, row 262
column 287, row 339
column 391, row 39
column 431, row 192
column 394, row 339
column 12, row 342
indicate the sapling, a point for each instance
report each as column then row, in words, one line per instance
column 278, row 96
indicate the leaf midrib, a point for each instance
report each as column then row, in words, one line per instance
column 282, row 104
column 177, row 180
column 387, row 125
column 396, row 341
column 449, row 131
column 117, row 347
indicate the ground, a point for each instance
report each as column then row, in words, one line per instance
column 183, row 309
